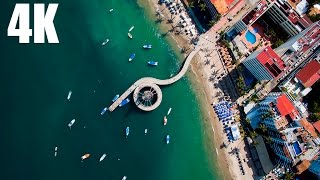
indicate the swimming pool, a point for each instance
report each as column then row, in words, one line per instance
column 297, row 148
column 251, row 37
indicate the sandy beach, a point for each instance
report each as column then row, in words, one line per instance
column 203, row 65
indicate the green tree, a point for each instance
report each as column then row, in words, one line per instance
column 288, row 175
column 191, row 4
column 314, row 117
column 314, row 18
column 211, row 23
column 202, row 7
column 277, row 43
column 253, row 134
column 263, row 127
column 267, row 139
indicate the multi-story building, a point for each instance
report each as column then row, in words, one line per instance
column 293, row 139
column 265, row 64
column 315, row 168
column 213, row 11
column 286, row 14
column 299, row 86
column 298, row 47
column 276, row 111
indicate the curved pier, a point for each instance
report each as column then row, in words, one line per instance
column 150, row 81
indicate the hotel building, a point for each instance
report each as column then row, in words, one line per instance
column 287, row 14
column 265, row 64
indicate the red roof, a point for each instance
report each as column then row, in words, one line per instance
column 271, row 61
column 308, row 126
column 285, row 107
column 316, row 125
column 309, row 74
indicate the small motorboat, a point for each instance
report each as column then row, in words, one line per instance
column 124, row 178
column 148, row 46
column 153, row 63
column 169, row 111
column 115, row 98
column 55, row 151
column 69, row 95
column 102, row 157
column 132, row 56
column 124, row 102
column 105, row 42
column 167, row 139
column 145, row 131
column 85, row 156
column 71, row 123
column 127, row 131
column 110, row 10
column 165, row 120
column 103, row 111
column 131, row 29
column 130, row 35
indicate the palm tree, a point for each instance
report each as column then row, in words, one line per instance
column 202, row 7
column 288, row 175
column 211, row 79
column 212, row 66
column 214, row 73
column 207, row 62
column 211, row 23
column 191, row 4
column 247, row 121
column 159, row 20
column 267, row 139
column 170, row 20
column 263, row 127
column 253, row 134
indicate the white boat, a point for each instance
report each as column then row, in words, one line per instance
column 103, row 111
column 167, row 139
column 165, row 120
column 105, row 42
column 145, row 131
column 110, row 10
column 169, row 111
column 131, row 29
column 85, row 156
column 124, row 178
column 102, row 157
column 71, row 123
column 69, row 95
column 55, row 151
column 127, row 131
column 130, row 35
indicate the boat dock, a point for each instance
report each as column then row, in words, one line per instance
column 152, row 82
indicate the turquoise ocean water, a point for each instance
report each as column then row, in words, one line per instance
column 36, row 78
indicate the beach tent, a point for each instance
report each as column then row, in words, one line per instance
column 235, row 132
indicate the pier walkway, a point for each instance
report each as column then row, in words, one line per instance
column 151, row 80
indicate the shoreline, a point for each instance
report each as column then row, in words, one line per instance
column 210, row 123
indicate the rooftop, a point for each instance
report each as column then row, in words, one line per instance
column 304, row 165
column 309, row 74
column 309, row 127
column 222, row 6
column 271, row 61
column 316, row 125
column 286, row 108
column 295, row 12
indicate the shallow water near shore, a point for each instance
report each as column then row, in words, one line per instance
column 35, row 112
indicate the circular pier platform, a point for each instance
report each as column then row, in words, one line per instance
column 147, row 96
